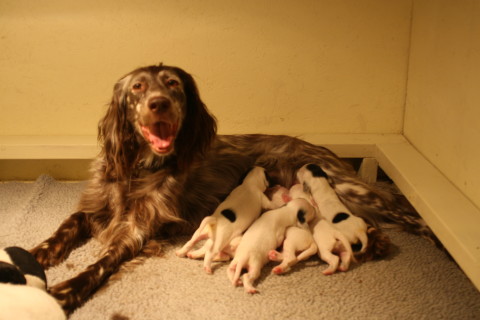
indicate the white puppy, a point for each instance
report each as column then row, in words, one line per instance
column 298, row 244
column 278, row 195
column 231, row 218
column 265, row 234
column 333, row 246
column 315, row 180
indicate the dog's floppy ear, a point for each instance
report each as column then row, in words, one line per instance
column 116, row 134
column 301, row 216
column 199, row 127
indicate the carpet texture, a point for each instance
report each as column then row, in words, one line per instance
column 417, row 281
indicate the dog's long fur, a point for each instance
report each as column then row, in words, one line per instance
column 143, row 190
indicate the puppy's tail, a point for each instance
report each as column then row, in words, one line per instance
column 344, row 264
column 235, row 270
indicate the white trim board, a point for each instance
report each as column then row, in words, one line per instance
column 454, row 219
column 48, row 147
column 86, row 147
column 451, row 215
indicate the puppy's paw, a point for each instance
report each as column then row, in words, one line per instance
column 193, row 255
column 180, row 254
column 208, row 270
column 329, row 271
column 251, row 290
column 278, row 270
column 274, row 255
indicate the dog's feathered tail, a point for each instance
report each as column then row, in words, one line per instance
column 384, row 204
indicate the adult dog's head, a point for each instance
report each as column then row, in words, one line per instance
column 155, row 114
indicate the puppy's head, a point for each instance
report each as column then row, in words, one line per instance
column 309, row 172
column 304, row 210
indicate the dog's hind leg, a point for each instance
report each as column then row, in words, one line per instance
column 72, row 233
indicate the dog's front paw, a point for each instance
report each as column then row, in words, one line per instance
column 65, row 296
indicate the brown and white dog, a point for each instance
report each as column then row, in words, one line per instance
column 159, row 155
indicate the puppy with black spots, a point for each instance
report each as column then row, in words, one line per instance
column 333, row 246
column 265, row 234
column 322, row 238
column 316, row 181
column 299, row 243
column 224, row 228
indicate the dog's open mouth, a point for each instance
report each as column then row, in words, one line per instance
column 161, row 136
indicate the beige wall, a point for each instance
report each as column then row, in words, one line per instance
column 298, row 67
column 263, row 66
column 443, row 106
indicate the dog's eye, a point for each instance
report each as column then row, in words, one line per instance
column 172, row 83
column 138, row 86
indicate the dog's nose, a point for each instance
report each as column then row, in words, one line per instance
column 159, row 104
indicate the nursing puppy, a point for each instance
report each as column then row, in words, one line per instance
column 316, row 182
column 265, row 234
column 333, row 246
column 299, row 243
column 231, row 218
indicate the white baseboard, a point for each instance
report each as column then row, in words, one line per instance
column 454, row 219
column 48, row 147
column 451, row 215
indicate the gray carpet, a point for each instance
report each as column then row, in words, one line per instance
column 417, row 281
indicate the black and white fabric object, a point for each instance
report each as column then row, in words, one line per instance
column 23, row 288
column 18, row 266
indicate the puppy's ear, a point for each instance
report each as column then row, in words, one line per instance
column 270, row 180
column 318, row 172
column 199, row 126
column 339, row 217
column 301, row 216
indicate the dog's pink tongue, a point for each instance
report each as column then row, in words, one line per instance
column 160, row 135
